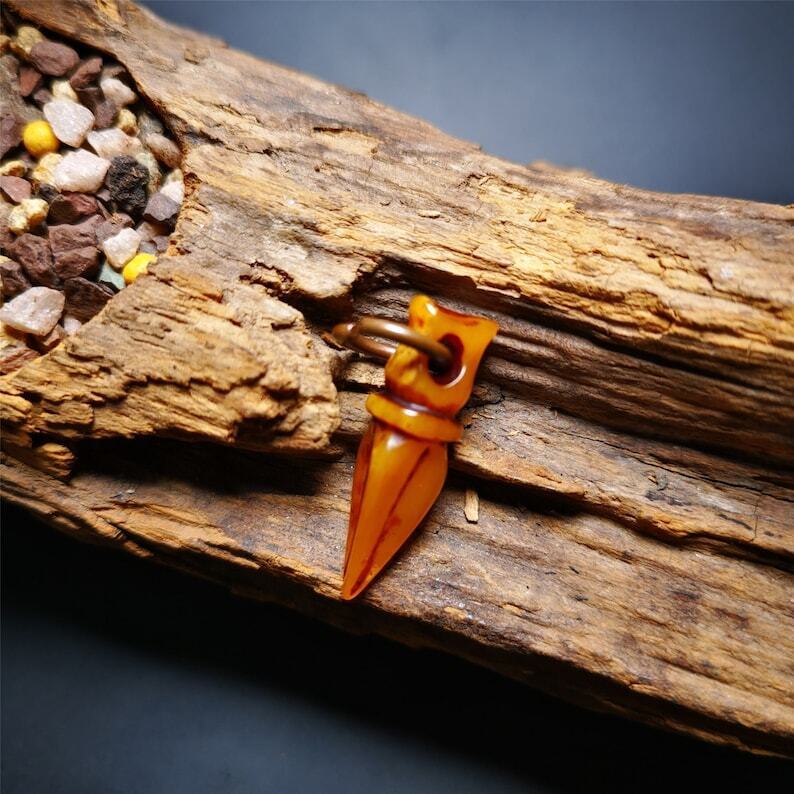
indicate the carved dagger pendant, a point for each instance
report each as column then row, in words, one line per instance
column 402, row 460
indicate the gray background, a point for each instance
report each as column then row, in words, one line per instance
column 121, row 677
column 691, row 97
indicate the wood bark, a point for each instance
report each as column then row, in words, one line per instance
column 629, row 443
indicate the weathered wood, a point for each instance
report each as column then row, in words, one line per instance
column 630, row 440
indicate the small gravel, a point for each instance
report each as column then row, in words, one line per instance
column 71, row 324
column 113, row 142
column 118, row 93
column 44, row 172
column 81, row 171
column 175, row 191
column 164, row 149
column 28, row 214
column 120, row 248
column 14, row 188
column 86, row 73
column 69, row 121
column 35, row 257
column 90, row 185
column 53, row 58
column 12, row 278
column 128, row 180
column 36, row 311
column 60, row 89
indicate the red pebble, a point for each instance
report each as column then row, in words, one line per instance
column 29, row 80
column 14, row 188
column 52, row 58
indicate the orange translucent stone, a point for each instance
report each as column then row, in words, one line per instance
column 402, row 461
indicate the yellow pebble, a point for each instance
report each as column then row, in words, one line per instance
column 39, row 139
column 137, row 265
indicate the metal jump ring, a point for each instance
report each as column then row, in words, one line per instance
column 356, row 335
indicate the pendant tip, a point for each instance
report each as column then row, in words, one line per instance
column 352, row 587
column 348, row 595
column 357, row 576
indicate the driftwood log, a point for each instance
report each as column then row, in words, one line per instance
column 629, row 446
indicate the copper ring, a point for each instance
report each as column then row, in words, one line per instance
column 357, row 336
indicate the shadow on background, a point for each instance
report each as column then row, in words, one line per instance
column 120, row 676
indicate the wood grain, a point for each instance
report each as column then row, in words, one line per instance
column 630, row 440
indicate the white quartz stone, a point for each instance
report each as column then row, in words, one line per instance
column 120, row 248
column 112, row 142
column 174, row 190
column 81, row 171
column 69, row 120
column 70, row 324
column 117, row 92
column 36, row 311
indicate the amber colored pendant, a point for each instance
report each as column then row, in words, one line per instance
column 402, row 460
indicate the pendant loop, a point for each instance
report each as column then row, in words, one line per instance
column 357, row 336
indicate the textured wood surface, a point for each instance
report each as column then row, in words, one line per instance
column 630, row 440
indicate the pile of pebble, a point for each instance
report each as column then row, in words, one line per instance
column 90, row 187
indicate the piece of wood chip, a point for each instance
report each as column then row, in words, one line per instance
column 471, row 506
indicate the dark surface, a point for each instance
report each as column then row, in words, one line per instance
column 118, row 676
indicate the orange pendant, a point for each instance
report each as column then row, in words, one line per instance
column 402, row 461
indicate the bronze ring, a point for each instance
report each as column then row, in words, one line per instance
column 356, row 336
